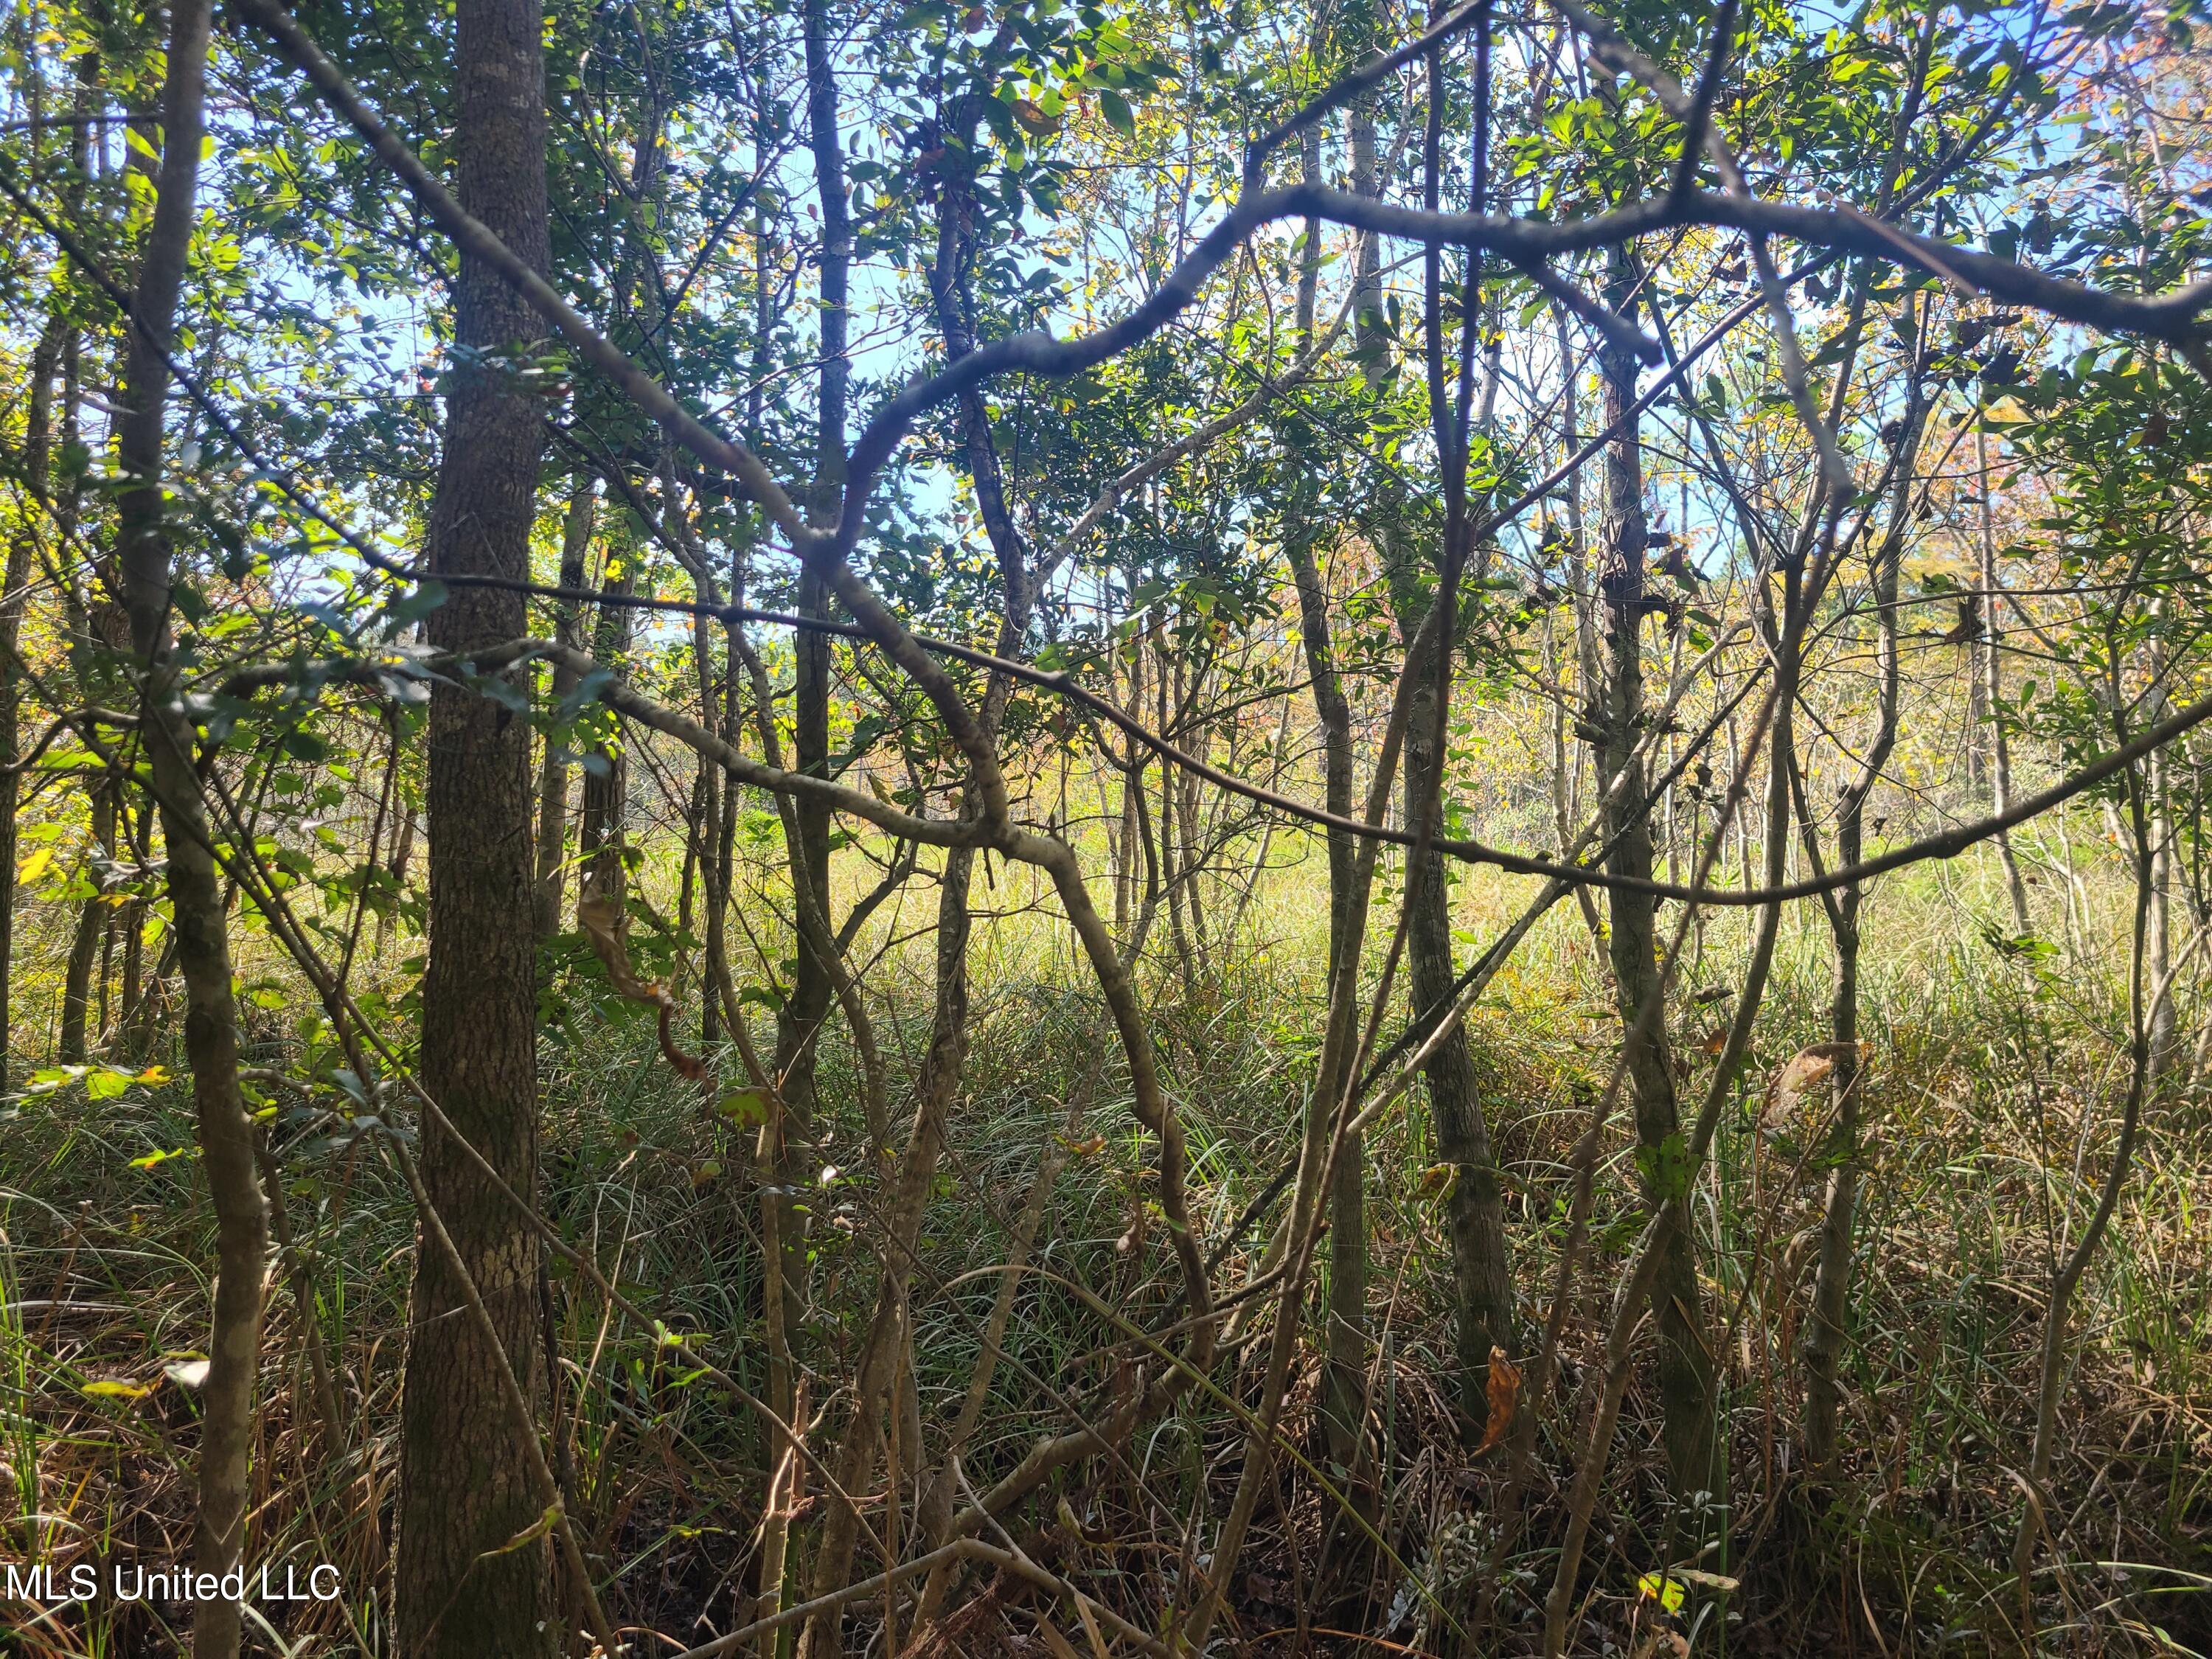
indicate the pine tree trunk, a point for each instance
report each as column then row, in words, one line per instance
column 465, row 1486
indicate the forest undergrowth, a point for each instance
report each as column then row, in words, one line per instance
column 1992, row 1069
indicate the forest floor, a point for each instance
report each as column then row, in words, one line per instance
column 1993, row 1082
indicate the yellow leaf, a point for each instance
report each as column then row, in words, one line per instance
column 35, row 866
column 1435, row 1182
column 110, row 1389
column 1665, row 1589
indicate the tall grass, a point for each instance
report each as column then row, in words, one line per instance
column 1988, row 1111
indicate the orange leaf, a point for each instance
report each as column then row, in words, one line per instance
column 1504, row 1396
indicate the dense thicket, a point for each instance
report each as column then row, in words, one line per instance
column 1064, row 829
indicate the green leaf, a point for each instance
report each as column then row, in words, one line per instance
column 412, row 607
column 1118, row 114
column 1665, row 1168
column 747, row 1107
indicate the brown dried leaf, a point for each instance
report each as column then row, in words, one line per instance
column 1504, row 1399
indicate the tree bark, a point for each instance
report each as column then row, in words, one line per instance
column 889, row 1337
column 465, row 1488
column 1344, row 1383
column 196, row 896
column 1685, row 1365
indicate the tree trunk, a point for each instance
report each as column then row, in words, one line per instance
column 196, row 896
column 465, row 1488
column 1344, row 1386
column 1685, row 1365
column 553, row 774
column 2165, row 1029
column 38, row 449
column 806, row 1008
column 1482, row 1283
column 1991, row 663
column 1823, row 1345
column 92, row 930
column 600, row 829
column 886, row 1355
column 906, row 1208
column 707, row 831
column 2066, row 1278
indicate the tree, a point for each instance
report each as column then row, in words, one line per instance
column 465, row 1488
